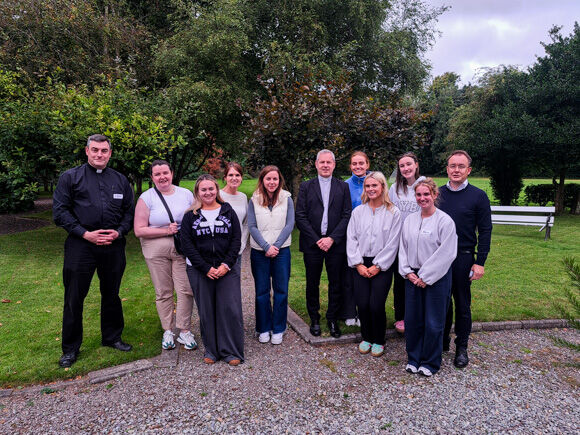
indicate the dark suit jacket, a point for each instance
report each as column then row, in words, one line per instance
column 309, row 209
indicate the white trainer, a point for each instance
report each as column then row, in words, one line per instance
column 424, row 371
column 188, row 340
column 167, row 342
column 277, row 338
column 350, row 322
column 264, row 337
column 411, row 369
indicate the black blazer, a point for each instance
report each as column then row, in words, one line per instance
column 309, row 209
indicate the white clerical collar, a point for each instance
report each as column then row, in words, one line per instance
column 99, row 171
column 461, row 187
column 324, row 179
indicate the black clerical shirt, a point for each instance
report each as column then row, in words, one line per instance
column 89, row 199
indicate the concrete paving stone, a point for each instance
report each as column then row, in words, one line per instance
column 501, row 326
column 115, row 372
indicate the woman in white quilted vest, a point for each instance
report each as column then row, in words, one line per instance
column 270, row 221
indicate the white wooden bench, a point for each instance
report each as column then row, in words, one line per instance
column 519, row 215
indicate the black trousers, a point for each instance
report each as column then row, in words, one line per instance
column 348, row 299
column 371, row 295
column 336, row 269
column 81, row 259
column 461, row 292
column 398, row 292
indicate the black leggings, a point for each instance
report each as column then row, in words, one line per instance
column 371, row 295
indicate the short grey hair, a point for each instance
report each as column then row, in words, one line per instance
column 325, row 151
column 99, row 138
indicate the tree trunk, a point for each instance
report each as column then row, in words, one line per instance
column 139, row 187
column 559, row 200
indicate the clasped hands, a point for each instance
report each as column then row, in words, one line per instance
column 101, row 237
column 367, row 272
column 272, row 252
column 217, row 273
column 416, row 280
column 325, row 243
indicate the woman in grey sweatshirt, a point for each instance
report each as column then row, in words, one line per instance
column 372, row 240
column 427, row 250
column 402, row 193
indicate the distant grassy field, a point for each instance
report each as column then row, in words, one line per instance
column 523, row 278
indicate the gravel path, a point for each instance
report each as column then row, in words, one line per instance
column 517, row 382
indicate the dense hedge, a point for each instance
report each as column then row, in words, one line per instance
column 16, row 193
column 542, row 194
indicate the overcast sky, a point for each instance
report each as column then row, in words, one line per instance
column 488, row 33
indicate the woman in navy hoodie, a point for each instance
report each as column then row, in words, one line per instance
column 211, row 239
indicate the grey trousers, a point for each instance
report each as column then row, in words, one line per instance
column 219, row 304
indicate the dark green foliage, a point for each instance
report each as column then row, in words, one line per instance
column 79, row 39
column 17, row 193
column 495, row 128
column 554, row 101
column 299, row 119
column 544, row 193
column 440, row 100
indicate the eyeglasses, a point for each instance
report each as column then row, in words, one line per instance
column 460, row 167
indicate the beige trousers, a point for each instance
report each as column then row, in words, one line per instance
column 167, row 269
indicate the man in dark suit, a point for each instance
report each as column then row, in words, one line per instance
column 322, row 213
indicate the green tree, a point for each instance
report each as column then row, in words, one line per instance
column 495, row 128
column 298, row 119
column 138, row 137
column 81, row 39
column 554, row 101
column 379, row 43
column 439, row 101
column 204, row 69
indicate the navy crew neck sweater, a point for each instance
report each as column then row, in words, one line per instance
column 470, row 210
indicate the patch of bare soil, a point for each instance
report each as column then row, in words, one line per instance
column 25, row 221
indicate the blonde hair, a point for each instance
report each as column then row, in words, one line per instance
column 197, row 204
column 378, row 176
column 433, row 189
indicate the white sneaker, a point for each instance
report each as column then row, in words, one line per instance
column 424, row 371
column 277, row 338
column 357, row 322
column 350, row 322
column 264, row 337
column 167, row 342
column 411, row 369
column 188, row 340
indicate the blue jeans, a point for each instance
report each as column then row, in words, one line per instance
column 271, row 317
column 425, row 312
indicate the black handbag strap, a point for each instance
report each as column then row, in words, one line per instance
column 165, row 204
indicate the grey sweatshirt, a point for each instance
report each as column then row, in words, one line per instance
column 405, row 201
column 373, row 234
column 428, row 244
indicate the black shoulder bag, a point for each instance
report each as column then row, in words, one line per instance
column 176, row 239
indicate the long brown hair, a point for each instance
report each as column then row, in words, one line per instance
column 197, row 202
column 401, row 181
column 268, row 201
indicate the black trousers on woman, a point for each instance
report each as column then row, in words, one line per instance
column 371, row 296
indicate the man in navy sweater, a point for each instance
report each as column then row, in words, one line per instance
column 469, row 208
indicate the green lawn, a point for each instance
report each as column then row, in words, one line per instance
column 523, row 277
